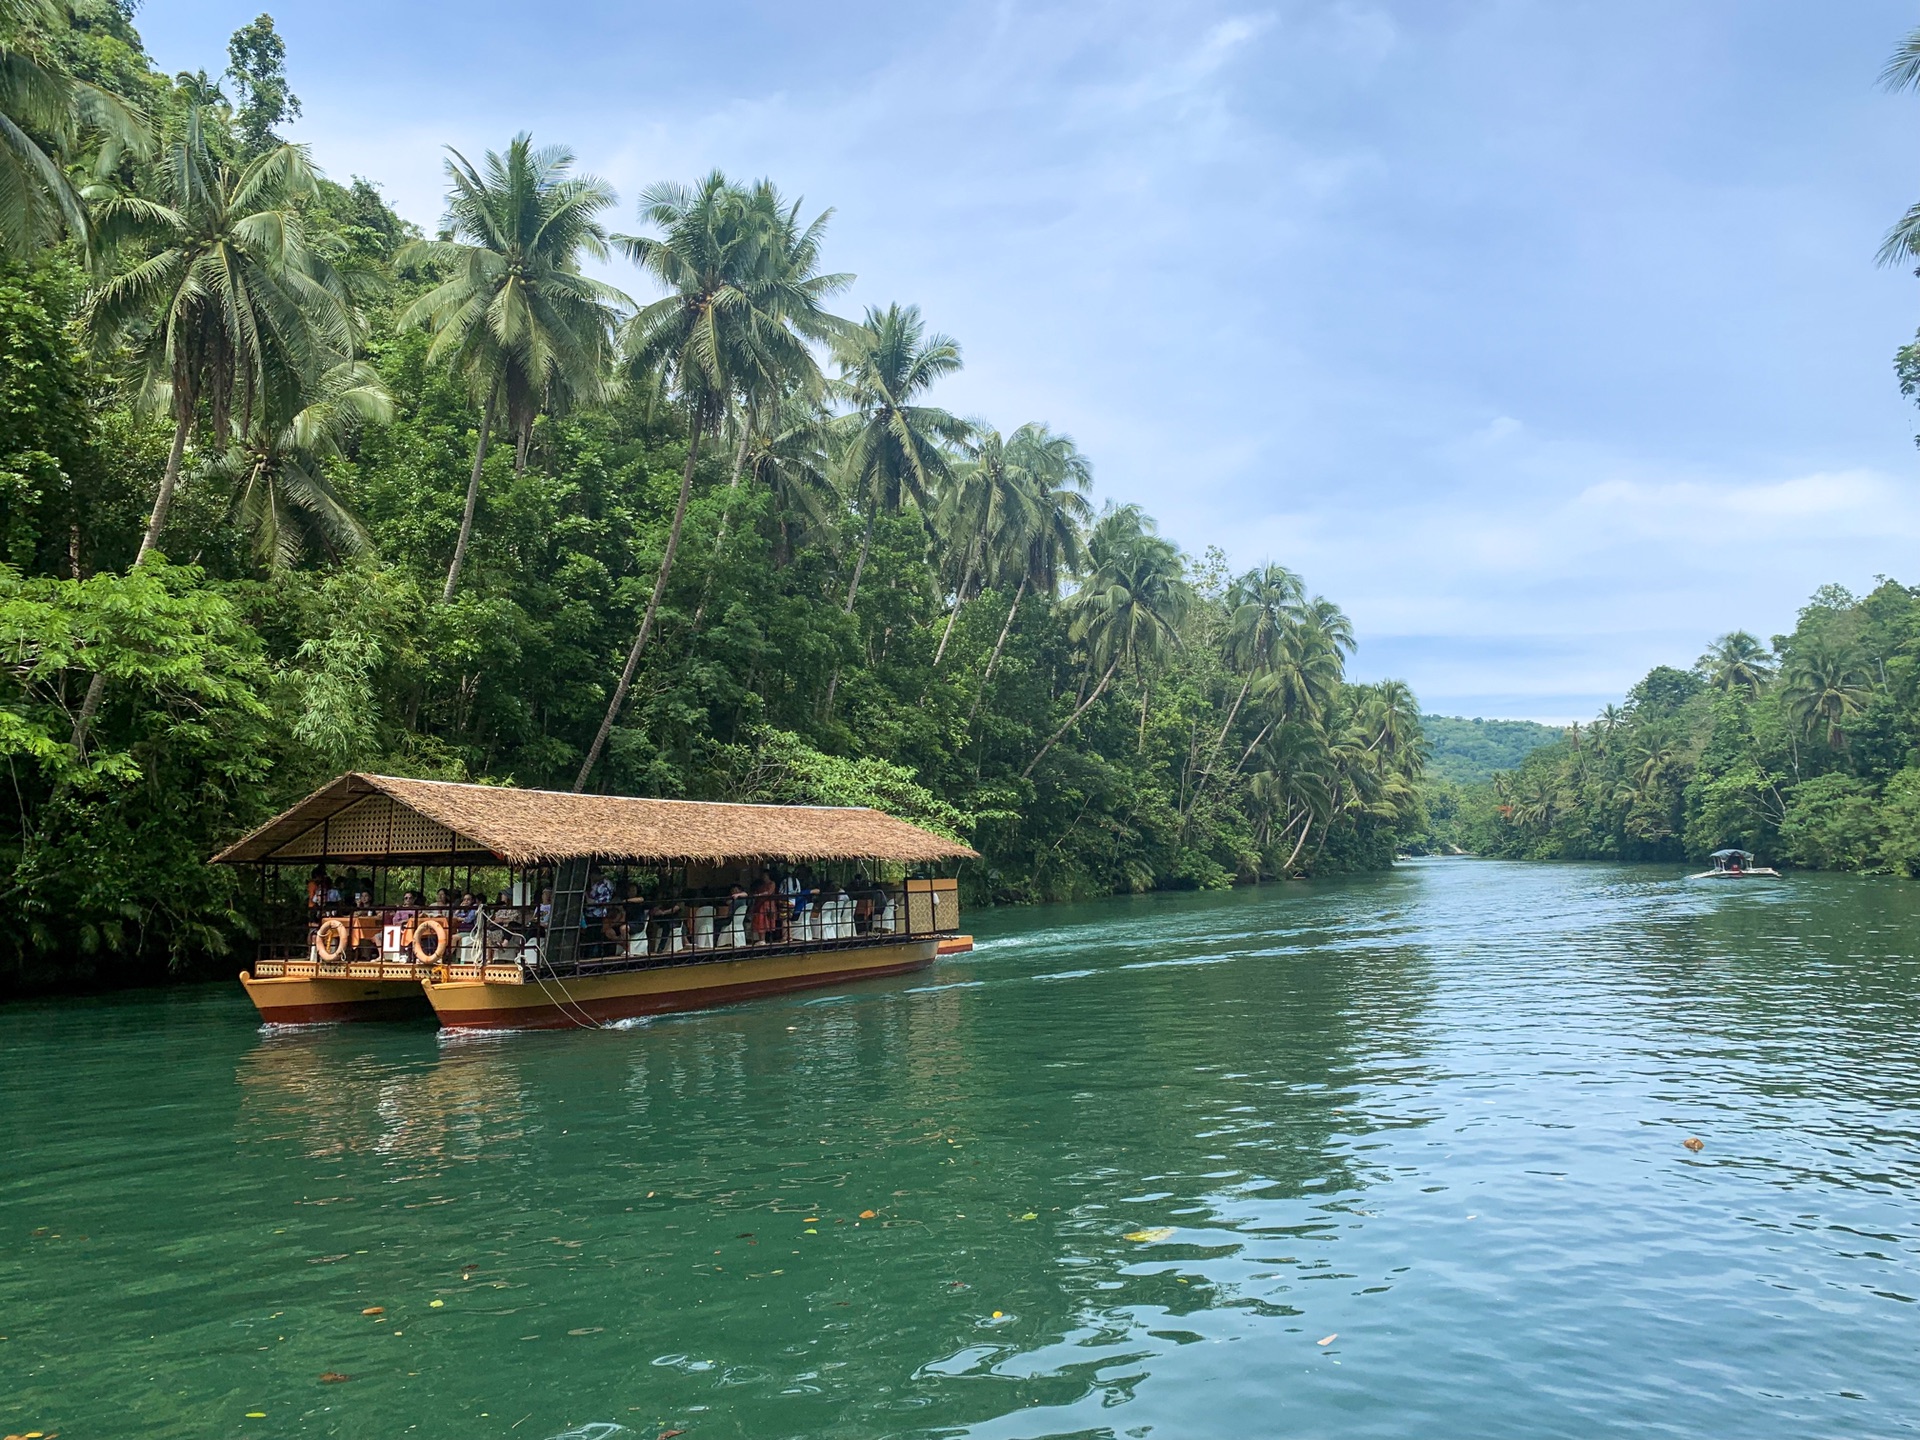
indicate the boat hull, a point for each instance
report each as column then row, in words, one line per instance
column 955, row 944
column 314, row 1001
column 584, row 1000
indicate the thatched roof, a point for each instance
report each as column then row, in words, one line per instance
column 379, row 817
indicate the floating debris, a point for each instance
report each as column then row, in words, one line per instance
column 374, row 1310
column 1147, row 1237
column 1329, row 1340
column 1694, row 1143
column 333, row 1377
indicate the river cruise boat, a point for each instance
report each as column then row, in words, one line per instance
column 493, row 907
column 1735, row 865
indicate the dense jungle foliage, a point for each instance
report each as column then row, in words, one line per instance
column 288, row 488
column 1469, row 752
column 1805, row 751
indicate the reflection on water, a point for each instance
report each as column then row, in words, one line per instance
column 1395, row 1156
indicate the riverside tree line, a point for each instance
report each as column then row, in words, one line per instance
column 289, row 488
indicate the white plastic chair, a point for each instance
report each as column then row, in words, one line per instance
column 703, row 927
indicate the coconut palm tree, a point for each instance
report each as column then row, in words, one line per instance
column 1263, row 606
column 1129, row 611
column 281, row 491
column 1824, row 685
column 1737, row 661
column 229, row 301
column 971, row 518
column 745, row 302
column 1037, row 538
column 893, row 449
column 515, row 316
column 46, row 115
column 1392, row 715
column 1305, row 677
column 228, row 312
column 1902, row 72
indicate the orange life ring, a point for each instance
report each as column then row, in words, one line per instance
column 430, row 925
column 330, row 941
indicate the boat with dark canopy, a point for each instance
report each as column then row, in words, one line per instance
column 1735, row 865
column 553, row 910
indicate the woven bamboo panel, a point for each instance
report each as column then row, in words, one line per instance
column 372, row 828
column 919, row 912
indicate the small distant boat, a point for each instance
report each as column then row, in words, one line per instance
column 1735, row 865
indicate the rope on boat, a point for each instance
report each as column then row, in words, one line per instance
column 561, row 1005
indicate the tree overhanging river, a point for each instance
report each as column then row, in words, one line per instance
column 1397, row 1155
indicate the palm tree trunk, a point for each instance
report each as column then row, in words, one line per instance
column 169, row 481
column 860, row 565
column 1071, row 719
column 156, row 523
column 646, row 620
column 720, row 535
column 1247, row 754
column 1206, row 771
column 1146, row 694
column 1019, row 594
column 473, row 499
column 1301, row 843
column 959, row 599
column 853, row 589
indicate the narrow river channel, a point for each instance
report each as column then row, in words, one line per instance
column 1395, row 1156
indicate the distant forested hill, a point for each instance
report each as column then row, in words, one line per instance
column 1467, row 752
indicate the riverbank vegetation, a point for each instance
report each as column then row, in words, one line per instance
column 289, row 487
column 1804, row 749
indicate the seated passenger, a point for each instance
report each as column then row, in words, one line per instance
column 614, row 929
column 763, row 914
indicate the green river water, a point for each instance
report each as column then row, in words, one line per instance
column 1396, row 1156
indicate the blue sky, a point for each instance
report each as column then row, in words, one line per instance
column 1543, row 335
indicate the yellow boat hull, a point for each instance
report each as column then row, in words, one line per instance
column 589, row 999
column 310, row 1000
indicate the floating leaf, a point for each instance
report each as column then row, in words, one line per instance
column 251, row 1415
column 1329, row 1340
column 1694, row 1143
column 333, row 1377
column 1147, row 1237
column 1030, row 1215
column 866, row 1214
column 435, row 1304
column 669, row 1434
column 374, row 1310
column 811, row 1220
column 811, row 1232
column 587, row 1330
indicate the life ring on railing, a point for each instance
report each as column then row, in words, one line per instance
column 431, row 925
column 330, row 940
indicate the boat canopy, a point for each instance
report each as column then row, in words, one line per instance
column 367, row 818
column 1729, row 854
